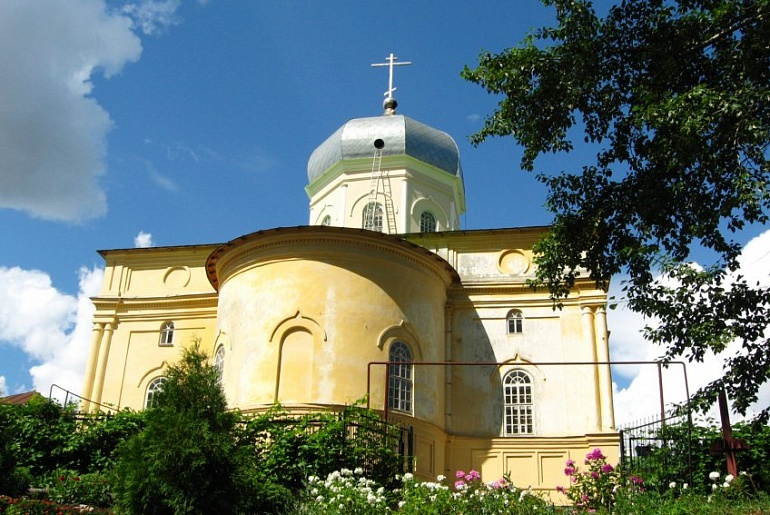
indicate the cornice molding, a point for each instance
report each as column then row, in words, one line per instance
column 313, row 241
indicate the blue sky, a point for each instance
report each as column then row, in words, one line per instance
column 180, row 122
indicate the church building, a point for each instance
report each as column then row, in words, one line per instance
column 382, row 296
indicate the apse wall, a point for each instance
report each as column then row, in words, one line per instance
column 303, row 311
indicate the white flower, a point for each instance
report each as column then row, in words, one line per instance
column 440, row 478
column 672, row 485
column 320, row 498
column 729, row 478
column 358, row 471
column 713, row 487
column 408, row 476
column 401, row 504
column 685, row 486
column 726, row 485
column 714, row 476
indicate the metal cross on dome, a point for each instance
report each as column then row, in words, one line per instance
column 391, row 62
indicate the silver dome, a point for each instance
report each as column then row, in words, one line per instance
column 399, row 134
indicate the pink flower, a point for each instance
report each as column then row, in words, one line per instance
column 596, row 454
column 459, row 473
column 607, row 468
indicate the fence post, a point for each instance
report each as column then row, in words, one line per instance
column 622, row 450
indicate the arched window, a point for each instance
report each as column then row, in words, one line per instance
column 400, row 377
column 219, row 362
column 515, row 321
column 517, row 393
column 167, row 335
column 373, row 217
column 427, row 222
column 155, row 386
column 327, row 221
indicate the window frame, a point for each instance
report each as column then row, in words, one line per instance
column 167, row 334
column 514, row 322
column 373, row 217
column 400, row 394
column 518, row 404
column 219, row 362
column 153, row 388
column 427, row 224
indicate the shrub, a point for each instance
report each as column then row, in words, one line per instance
column 596, row 487
column 294, row 447
column 686, row 455
column 191, row 457
column 66, row 487
column 44, row 507
column 343, row 492
column 347, row 491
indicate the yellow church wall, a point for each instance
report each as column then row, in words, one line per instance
column 536, row 462
column 142, row 290
column 132, row 356
column 345, row 296
column 479, row 335
column 528, row 461
column 156, row 271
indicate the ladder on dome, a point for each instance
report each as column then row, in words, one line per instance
column 379, row 185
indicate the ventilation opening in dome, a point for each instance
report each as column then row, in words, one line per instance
column 379, row 144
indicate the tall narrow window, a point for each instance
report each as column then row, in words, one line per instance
column 373, row 217
column 427, row 222
column 219, row 362
column 400, row 377
column 515, row 322
column 167, row 335
column 155, row 386
column 517, row 393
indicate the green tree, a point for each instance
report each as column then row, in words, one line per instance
column 674, row 97
column 189, row 458
column 39, row 434
column 14, row 480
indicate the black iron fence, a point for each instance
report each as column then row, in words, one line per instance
column 352, row 437
column 659, row 450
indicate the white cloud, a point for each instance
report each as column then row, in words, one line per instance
column 3, row 387
column 52, row 133
column 638, row 397
column 153, row 16
column 53, row 328
column 143, row 240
